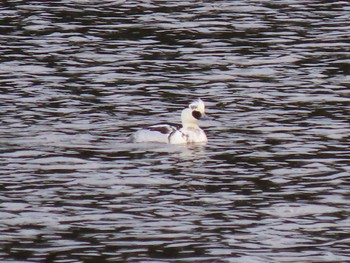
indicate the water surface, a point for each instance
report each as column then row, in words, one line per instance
column 271, row 185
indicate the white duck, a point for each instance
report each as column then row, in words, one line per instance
column 188, row 132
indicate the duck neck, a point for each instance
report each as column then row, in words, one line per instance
column 188, row 121
column 190, row 125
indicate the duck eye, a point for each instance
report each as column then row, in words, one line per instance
column 196, row 114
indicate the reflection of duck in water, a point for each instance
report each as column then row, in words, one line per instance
column 188, row 132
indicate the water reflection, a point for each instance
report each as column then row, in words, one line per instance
column 78, row 77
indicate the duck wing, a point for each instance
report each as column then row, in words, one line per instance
column 164, row 127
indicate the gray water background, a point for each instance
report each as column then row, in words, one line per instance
column 271, row 185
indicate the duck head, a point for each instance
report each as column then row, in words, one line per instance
column 194, row 112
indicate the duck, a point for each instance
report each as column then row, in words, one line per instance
column 188, row 132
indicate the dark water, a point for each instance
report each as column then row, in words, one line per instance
column 271, row 185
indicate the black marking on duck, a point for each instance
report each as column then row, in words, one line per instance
column 164, row 128
column 196, row 114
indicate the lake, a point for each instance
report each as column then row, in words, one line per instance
column 272, row 183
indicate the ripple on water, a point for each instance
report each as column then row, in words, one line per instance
column 78, row 78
